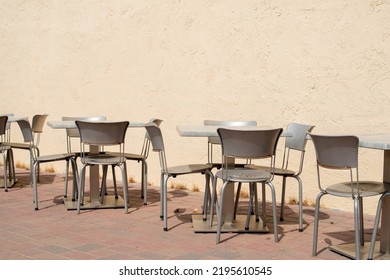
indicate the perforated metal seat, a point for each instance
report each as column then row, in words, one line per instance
column 102, row 134
column 36, row 160
column 248, row 145
column 214, row 141
column 295, row 143
column 340, row 153
column 156, row 138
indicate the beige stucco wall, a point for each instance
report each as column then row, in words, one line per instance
column 325, row 63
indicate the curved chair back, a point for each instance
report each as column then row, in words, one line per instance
column 249, row 144
column 298, row 139
column 146, row 144
column 155, row 135
column 3, row 125
column 214, row 140
column 102, row 133
column 38, row 122
column 26, row 131
column 336, row 151
column 74, row 132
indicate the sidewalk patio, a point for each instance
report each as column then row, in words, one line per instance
column 53, row 233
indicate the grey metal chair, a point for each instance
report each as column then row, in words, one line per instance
column 38, row 159
column 37, row 124
column 248, row 145
column 340, row 153
column 214, row 141
column 142, row 157
column 4, row 149
column 166, row 172
column 73, row 135
column 102, row 134
column 295, row 144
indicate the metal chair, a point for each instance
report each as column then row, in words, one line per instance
column 102, row 134
column 37, row 124
column 72, row 135
column 166, row 172
column 340, row 153
column 29, row 138
column 141, row 157
column 293, row 144
column 213, row 141
column 4, row 149
column 248, row 145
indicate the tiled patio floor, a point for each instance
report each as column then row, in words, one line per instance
column 53, row 233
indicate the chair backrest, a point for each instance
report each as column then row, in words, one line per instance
column 146, row 144
column 8, row 125
column 155, row 136
column 3, row 127
column 38, row 122
column 157, row 141
column 298, row 139
column 249, row 144
column 28, row 136
column 102, row 133
column 296, row 142
column 214, row 140
column 74, row 132
column 340, row 152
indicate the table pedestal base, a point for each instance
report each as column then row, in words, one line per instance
column 348, row 250
column 109, row 201
column 238, row 225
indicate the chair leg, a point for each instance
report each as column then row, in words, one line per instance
column 81, row 188
column 75, row 179
column 250, row 206
column 162, row 180
column 361, row 221
column 103, row 189
column 35, row 187
column 376, row 225
column 274, row 217
column 206, row 197
column 219, row 213
column 316, row 220
column 213, row 201
column 144, row 182
column 356, row 223
column 256, row 201
column 5, row 171
column 66, row 178
column 300, row 206
column 237, row 199
column 114, row 179
column 283, row 199
column 165, row 206
column 125, row 186
column 264, row 209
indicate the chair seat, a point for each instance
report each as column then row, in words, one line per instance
column 102, row 159
column 277, row 171
column 367, row 188
column 129, row 156
column 4, row 147
column 55, row 157
column 23, row 146
column 244, row 174
column 188, row 169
